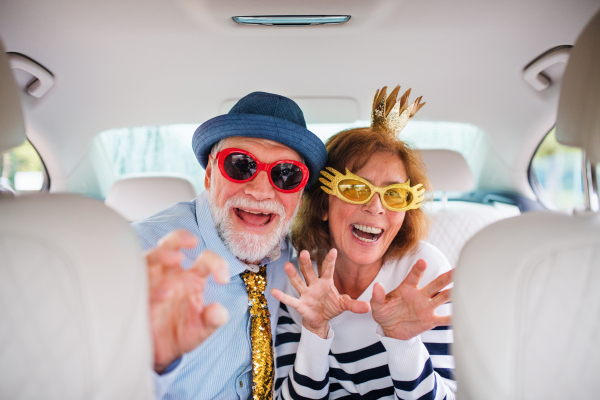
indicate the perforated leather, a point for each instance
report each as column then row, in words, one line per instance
column 139, row 197
column 527, row 309
column 454, row 223
column 73, row 302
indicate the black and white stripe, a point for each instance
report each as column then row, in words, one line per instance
column 357, row 361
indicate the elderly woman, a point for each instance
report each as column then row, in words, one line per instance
column 370, row 318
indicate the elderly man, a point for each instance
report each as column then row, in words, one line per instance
column 258, row 159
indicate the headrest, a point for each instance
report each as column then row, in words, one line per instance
column 139, row 197
column 578, row 119
column 12, row 126
column 447, row 170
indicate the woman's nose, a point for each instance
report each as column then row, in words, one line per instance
column 374, row 205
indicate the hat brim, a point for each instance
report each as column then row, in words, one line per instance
column 296, row 137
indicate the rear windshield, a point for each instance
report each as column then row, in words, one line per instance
column 167, row 149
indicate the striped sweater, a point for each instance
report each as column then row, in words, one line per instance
column 357, row 360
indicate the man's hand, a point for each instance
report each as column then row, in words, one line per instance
column 408, row 311
column 178, row 317
column 319, row 300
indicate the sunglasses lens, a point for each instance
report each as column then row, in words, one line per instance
column 239, row 166
column 398, row 198
column 286, row 176
column 354, row 190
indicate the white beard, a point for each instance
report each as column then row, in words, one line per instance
column 250, row 247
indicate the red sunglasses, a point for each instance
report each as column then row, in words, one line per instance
column 239, row 166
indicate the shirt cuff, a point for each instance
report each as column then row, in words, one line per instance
column 313, row 351
column 405, row 357
column 164, row 380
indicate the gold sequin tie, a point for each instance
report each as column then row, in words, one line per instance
column 262, row 341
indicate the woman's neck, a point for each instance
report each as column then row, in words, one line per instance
column 353, row 279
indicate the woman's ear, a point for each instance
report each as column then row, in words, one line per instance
column 325, row 216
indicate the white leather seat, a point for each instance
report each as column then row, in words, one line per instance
column 73, row 291
column 453, row 223
column 139, row 197
column 526, row 298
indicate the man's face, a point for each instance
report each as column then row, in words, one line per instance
column 252, row 217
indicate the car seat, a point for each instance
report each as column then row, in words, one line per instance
column 138, row 197
column 73, row 291
column 526, row 298
column 453, row 223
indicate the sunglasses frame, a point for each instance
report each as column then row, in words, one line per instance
column 331, row 187
column 222, row 155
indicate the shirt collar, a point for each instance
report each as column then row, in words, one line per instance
column 206, row 225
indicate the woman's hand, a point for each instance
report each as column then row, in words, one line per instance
column 319, row 300
column 408, row 311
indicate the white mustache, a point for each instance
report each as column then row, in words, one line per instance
column 249, row 247
column 266, row 206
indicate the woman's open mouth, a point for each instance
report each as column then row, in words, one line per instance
column 365, row 233
column 255, row 218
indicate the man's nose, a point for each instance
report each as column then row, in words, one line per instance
column 374, row 205
column 260, row 187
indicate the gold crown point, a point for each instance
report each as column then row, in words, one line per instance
column 404, row 101
column 379, row 96
column 418, row 105
column 391, row 101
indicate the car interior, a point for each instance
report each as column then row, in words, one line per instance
column 99, row 101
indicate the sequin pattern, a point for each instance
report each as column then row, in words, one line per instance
column 260, row 331
column 393, row 119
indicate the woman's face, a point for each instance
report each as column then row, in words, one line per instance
column 362, row 233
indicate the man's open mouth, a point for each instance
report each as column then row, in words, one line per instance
column 254, row 217
column 366, row 233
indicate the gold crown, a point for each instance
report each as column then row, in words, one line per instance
column 391, row 114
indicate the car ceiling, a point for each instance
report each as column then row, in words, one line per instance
column 127, row 63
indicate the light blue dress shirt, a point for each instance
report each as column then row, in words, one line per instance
column 220, row 367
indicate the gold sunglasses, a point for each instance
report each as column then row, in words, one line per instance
column 356, row 190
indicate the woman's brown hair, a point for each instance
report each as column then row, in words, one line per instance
column 352, row 149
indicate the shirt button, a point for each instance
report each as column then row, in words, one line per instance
column 241, row 384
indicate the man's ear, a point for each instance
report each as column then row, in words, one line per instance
column 208, row 173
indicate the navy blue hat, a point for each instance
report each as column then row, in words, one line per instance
column 265, row 116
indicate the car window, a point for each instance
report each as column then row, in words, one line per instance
column 153, row 150
column 556, row 175
column 22, row 170
column 468, row 140
column 167, row 149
